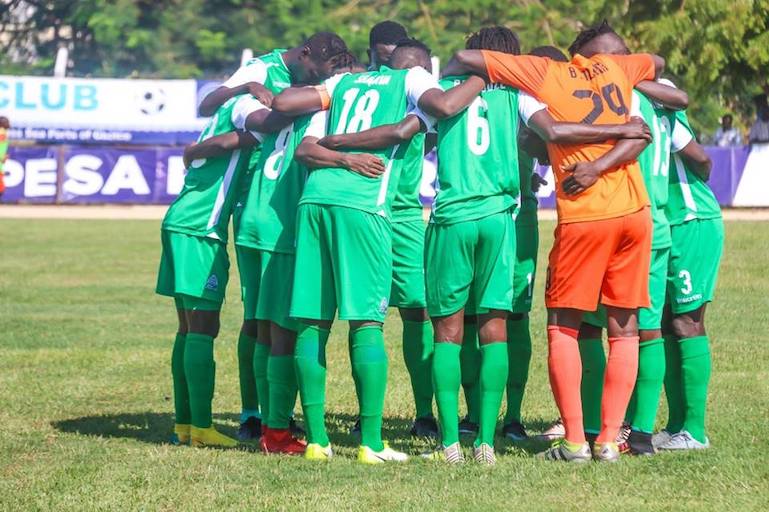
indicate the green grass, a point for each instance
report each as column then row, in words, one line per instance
column 85, row 402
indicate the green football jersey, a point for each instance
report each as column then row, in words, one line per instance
column 690, row 197
column 269, row 215
column 406, row 204
column 478, row 157
column 270, row 70
column 211, row 186
column 360, row 102
column 654, row 161
column 526, row 210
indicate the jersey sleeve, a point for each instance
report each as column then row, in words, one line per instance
column 637, row 67
column 254, row 71
column 418, row 82
column 528, row 106
column 317, row 125
column 244, row 107
column 429, row 121
column 525, row 72
column 681, row 136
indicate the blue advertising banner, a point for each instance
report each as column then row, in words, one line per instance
column 155, row 175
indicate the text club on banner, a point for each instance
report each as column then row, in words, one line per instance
column 100, row 110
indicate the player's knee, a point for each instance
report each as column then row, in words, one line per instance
column 686, row 326
column 649, row 334
column 493, row 327
column 250, row 328
column 589, row 331
column 413, row 314
column 283, row 341
column 448, row 329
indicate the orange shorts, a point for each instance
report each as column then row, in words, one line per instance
column 602, row 261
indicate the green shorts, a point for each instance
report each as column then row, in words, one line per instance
column 408, row 285
column 648, row 318
column 694, row 260
column 194, row 266
column 524, row 272
column 344, row 262
column 651, row 318
column 266, row 279
column 470, row 258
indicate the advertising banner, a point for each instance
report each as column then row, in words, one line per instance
column 155, row 175
column 100, row 110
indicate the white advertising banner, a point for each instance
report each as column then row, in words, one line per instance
column 98, row 110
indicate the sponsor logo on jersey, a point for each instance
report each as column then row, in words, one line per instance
column 212, row 283
column 373, row 79
column 383, row 304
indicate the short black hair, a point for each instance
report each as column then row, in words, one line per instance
column 386, row 32
column 323, row 46
column 497, row 38
column 4, row 122
column 551, row 52
column 345, row 61
column 590, row 33
column 411, row 42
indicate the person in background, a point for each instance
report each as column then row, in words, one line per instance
column 759, row 132
column 727, row 135
column 5, row 125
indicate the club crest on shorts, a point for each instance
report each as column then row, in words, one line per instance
column 212, row 283
column 383, row 305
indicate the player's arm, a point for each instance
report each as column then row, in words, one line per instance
column 315, row 156
column 698, row 159
column 556, row 132
column 221, row 94
column 525, row 72
column 466, row 62
column 381, row 137
column 218, row 145
column 296, row 101
column 669, row 97
column 247, row 79
column 585, row 174
column 267, row 121
column 442, row 104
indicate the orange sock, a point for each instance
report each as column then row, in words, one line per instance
column 565, row 368
column 619, row 379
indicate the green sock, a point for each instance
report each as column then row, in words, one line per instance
column 518, row 358
column 181, row 393
column 648, row 386
column 493, row 381
column 695, row 373
column 261, row 355
column 310, row 365
column 470, row 361
column 447, row 376
column 249, row 400
column 418, row 355
column 355, row 379
column 674, row 391
column 200, row 370
column 282, row 383
column 369, row 364
column 593, row 366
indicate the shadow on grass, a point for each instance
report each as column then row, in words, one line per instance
column 156, row 428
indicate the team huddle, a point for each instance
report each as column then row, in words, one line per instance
column 318, row 162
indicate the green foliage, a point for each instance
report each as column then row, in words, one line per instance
column 718, row 51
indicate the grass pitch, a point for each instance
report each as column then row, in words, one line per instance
column 85, row 400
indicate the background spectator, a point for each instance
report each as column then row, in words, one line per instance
column 759, row 132
column 726, row 134
column 4, row 126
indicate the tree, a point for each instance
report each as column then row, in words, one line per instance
column 718, row 51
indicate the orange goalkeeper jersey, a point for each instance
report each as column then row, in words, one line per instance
column 594, row 91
